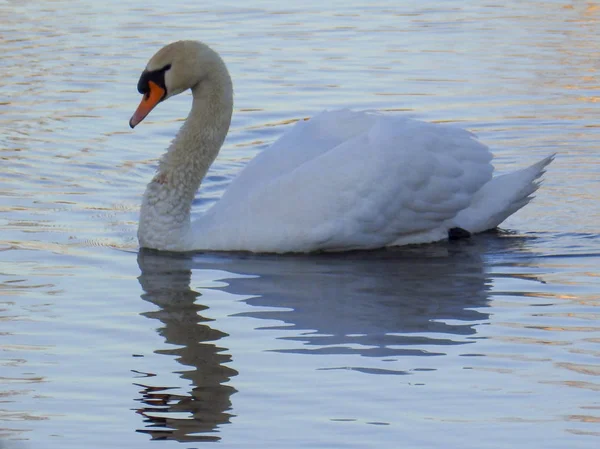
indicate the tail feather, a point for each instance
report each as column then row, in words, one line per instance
column 502, row 197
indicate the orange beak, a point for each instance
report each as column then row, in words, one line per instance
column 150, row 100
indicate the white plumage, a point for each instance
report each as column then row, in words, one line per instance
column 342, row 180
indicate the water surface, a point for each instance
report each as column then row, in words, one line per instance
column 487, row 343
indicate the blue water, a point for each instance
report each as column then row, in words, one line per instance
column 487, row 343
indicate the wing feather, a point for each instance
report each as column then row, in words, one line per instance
column 354, row 180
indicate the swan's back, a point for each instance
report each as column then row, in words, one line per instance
column 349, row 180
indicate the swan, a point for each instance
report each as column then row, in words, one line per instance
column 343, row 180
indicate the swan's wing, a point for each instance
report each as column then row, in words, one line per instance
column 305, row 141
column 390, row 178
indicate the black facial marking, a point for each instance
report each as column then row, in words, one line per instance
column 156, row 76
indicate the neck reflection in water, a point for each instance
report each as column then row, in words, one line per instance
column 166, row 283
column 392, row 305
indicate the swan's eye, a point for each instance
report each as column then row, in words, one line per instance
column 156, row 76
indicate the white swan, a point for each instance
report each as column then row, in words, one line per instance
column 342, row 180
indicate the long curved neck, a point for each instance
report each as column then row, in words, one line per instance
column 165, row 213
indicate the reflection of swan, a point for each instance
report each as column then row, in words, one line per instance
column 342, row 180
column 377, row 304
column 166, row 283
column 382, row 304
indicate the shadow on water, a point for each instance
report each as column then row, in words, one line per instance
column 392, row 303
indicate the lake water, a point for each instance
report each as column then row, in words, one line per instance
column 488, row 343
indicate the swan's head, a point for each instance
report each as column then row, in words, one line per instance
column 175, row 68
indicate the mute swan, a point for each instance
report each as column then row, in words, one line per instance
column 342, row 180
